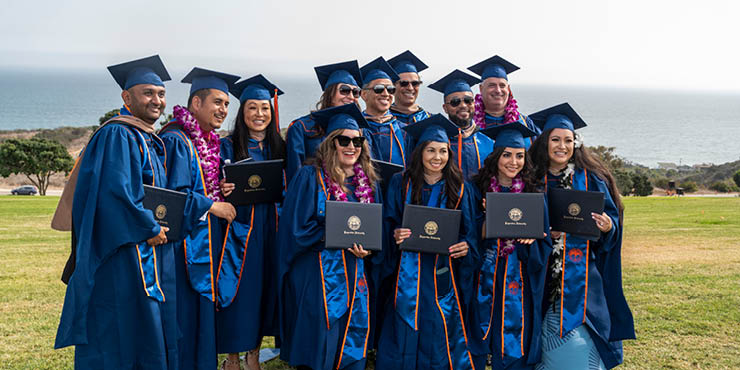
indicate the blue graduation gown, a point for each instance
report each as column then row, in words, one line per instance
column 524, row 120
column 196, row 256
column 246, row 294
column 319, row 290
column 427, row 332
column 120, row 302
column 513, row 284
column 475, row 149
column 607, row 315
column 387, row 141
column 410, row 118
column 301, row 142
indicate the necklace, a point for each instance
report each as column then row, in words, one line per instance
column 208, row 147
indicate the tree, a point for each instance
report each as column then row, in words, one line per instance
column 641, row 185
column 624, row 182
column 736, row 178
column 606, row 154
column 37, row 159
column 109, row 115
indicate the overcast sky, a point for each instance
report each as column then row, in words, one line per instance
column 635, row 43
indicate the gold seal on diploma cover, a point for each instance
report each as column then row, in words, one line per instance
column 160, row 211
column 431, row 228
column 254, row 181
column 354, row 223
column 574, row 209
column 515, row 214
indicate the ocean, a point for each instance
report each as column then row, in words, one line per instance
column 645, row 126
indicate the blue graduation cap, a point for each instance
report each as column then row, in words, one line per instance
column 347, row 117
column 377, row 69
column 345, row 72
column 150, row 71
column 559, row 116
column 255, row 88
column 200, row 79
column 435, row 128
column 455, row 81
column 494, row 66
column 407, row 62
column 510, row 135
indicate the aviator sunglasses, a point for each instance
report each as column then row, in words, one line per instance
column 346, row 90
column 356, row 141
column 378, row 89
column 404, row 83
column 456, row 101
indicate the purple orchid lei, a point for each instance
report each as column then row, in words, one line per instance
column 363, row 191
column 511, row 114
column 517, row 186
column 208, row 147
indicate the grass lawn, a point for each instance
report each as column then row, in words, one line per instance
column 681, row 259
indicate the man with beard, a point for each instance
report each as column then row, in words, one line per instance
column 458, row 104
column 120, row 302
column 404, row 107
column 387, row 140
column 193, row 164
column 495, row 105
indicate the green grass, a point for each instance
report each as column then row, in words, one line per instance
column 681, row 260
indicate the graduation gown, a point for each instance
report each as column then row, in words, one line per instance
column 410, row 118
column 423, row 327
column 323, row 294
column 387, row 141
column 591, row 288
column 119, row 307
column 247, row 299
column 506, row 316
column 196, row 255
column 524, row 120
column 475, row 150
column 301, row 142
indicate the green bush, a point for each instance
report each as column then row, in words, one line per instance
column 661, row 182
column 624, row 182
column 689, row 186
column 641, row 185
column 720, row 186
column 736, row 178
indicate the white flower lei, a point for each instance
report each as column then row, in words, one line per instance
column 559, row 244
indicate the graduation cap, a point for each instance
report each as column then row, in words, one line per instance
column 407, row 62
column 435, row 128
column 255, row 88
column 377, row 69
column 347, row 117
column 455, row 81
column 200, row 79
column 510, row 135
column 494, row 66
column 345, row 72
column 150, row 71
column 559, row 116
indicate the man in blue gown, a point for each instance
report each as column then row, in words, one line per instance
column 120, row 302
column 499, row 105
column 196, row 257
column 404, row 107
column 458, row 104
column 387, row 141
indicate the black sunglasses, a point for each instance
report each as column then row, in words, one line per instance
column 346, row 90
column 456, row 101
column 378, row 89
column 404, row 83
column 345, row 140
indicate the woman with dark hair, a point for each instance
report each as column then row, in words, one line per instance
column 423, row 325
column 340, row 85
column 587, row 316
column 505, row 318
column 324, row 296
column 246, row 271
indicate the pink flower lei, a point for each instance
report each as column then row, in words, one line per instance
column 363, row 190
column 511, row 113
column 208, row 147
column 517, row 186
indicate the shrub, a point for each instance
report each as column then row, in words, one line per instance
column 720, row 186
column 689, row 186
column 641, row 185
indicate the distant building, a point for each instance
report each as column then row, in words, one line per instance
column 667, row 166
column 703, row 165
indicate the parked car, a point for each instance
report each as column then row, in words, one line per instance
column 25, row 190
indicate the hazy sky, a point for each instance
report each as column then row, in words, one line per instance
column 638, row 43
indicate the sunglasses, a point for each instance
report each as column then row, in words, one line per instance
column 378, row 89
column 404, row 83
column 345, row 90
column 345, row 140
column 456, row 101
